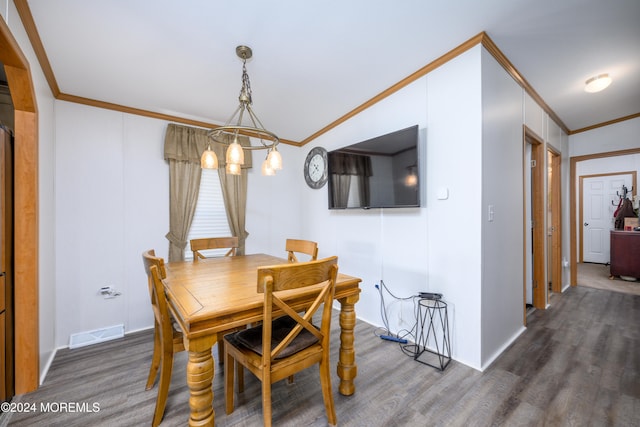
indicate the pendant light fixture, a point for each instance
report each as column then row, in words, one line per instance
column 243, row 122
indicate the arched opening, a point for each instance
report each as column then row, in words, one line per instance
column 25, row 172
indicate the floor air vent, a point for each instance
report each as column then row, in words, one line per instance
column 96, row 336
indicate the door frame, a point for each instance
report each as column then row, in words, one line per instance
column 555, row 205
column 26, row 253
column 573, row 203
column 538, row 155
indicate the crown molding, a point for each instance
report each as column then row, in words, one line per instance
column 34, row 37
column 607, row 123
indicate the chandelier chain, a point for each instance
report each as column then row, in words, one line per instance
column 227, row 134
column 246, row 84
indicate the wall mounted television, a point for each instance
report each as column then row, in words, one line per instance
column 382, row 172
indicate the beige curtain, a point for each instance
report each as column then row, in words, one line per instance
column 184, row 184
column 234, row 191
column 183, row 148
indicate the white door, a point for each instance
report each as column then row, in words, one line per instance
column 599, row 203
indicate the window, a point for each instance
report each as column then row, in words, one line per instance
column 210, row 218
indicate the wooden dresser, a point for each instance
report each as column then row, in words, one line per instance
column 625, row 253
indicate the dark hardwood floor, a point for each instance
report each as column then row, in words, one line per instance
column 577, row 364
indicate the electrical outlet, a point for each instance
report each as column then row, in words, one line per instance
column 108, row 292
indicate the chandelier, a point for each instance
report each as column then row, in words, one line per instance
column 243, row 121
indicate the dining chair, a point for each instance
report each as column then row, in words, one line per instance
column 198, row 245
column 307, row 247
column 167, row 336
column 277, row 349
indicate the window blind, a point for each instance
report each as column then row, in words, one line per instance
column 210, row 218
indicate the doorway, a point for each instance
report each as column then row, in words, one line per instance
column 535, row 288
column 573, row 204
column 554, row 222
column 25, row 207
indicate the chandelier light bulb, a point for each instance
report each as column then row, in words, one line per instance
column 235, row 154
column 266, row 169
column 233, row 169
column 209, row 160
column 275, row 159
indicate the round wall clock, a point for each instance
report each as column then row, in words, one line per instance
column 316, row 168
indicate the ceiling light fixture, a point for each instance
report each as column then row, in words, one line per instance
column 243, row 121
column 597, row 83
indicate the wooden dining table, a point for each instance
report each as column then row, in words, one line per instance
column 213, row 295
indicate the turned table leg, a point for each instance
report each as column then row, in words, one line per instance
column 199, row 379
column 347, row 369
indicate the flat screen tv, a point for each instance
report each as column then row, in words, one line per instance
column 382, row 172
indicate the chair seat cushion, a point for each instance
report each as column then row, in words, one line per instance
column 252, row 338
column 176, row 326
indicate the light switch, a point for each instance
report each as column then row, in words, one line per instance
column 490, row 213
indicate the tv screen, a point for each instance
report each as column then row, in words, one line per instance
column 381, row 172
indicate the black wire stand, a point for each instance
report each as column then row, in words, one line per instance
column 434, row 347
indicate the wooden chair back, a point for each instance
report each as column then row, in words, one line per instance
column 198, row 245
column 317, row 277
column 167, row 339
column 307, row 247
column 156, row 272
column 295, row 340
column 150, row 259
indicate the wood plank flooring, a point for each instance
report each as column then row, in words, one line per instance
column 577, row 364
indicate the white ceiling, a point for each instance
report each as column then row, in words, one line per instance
column 314, row 61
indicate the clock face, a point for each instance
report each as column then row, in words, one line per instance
column 315, row 168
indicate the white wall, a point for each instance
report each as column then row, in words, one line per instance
column 46, row 203
column 609, row 165
column 112, row 198
column 111, row 205
column 415, row 249
column 615, row 137
column 454, row 163
column 377, row 244
column 502, row 209
column 274, row 210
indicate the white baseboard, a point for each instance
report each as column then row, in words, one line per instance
column 47, row 366
column 133, row 331
column 502, row 349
